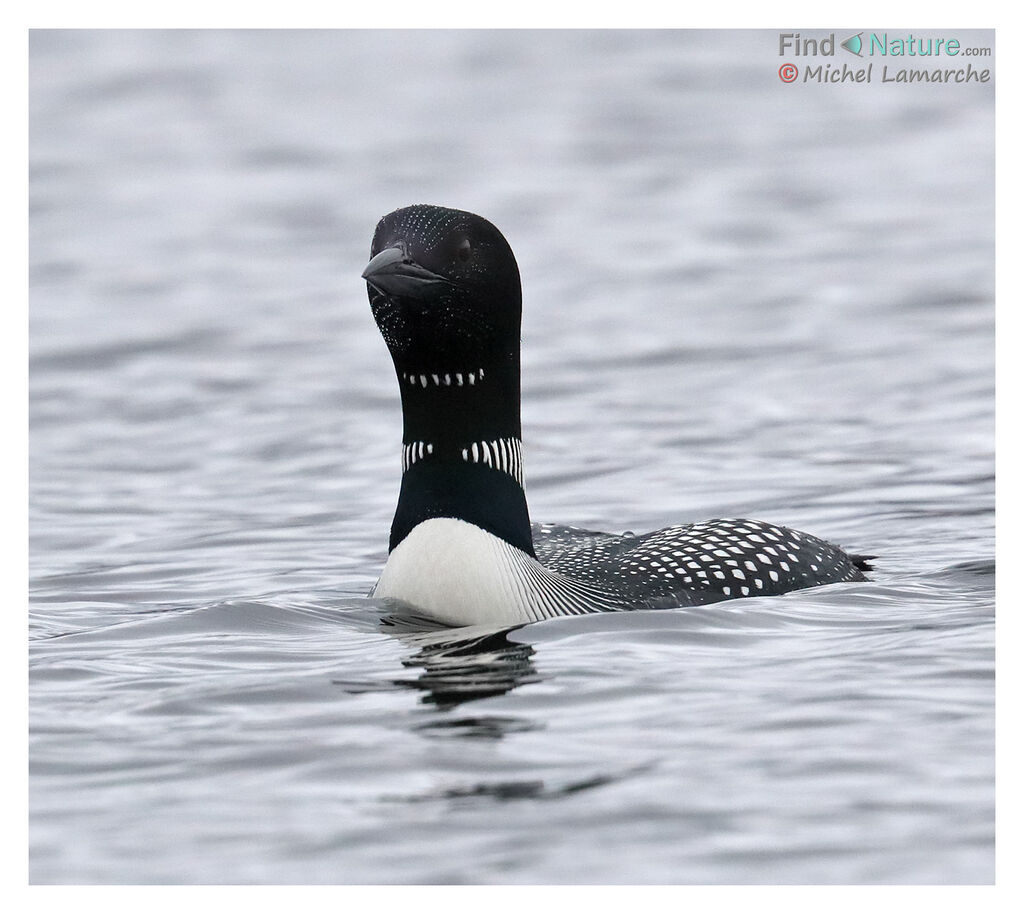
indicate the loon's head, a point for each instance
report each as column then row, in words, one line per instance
column 444, row 290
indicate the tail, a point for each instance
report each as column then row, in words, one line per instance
column 863, row 562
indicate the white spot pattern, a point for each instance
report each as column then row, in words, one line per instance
column 444, row 380
column 692, row 564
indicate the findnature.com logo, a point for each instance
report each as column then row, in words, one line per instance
column 882, row 45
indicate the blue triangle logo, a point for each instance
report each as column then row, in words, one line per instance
column 853, row 44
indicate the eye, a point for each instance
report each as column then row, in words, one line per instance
column 463, row 251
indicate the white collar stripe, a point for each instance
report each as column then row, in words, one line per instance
column 503, row 454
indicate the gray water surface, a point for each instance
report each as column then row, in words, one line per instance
column 741, row 298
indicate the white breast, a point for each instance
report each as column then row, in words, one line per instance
column 459, row 574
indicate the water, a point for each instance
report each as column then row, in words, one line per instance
column 742, row 298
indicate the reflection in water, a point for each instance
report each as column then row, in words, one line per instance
column 460, row 665
column 487, row 726
column 521, row 790
column 463, row 664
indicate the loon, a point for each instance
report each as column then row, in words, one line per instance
column 445, row 292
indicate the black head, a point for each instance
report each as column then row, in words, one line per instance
column 444, row 290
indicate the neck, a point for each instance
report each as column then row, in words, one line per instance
column 461, row 452
column 456, row 404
